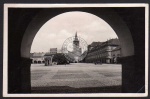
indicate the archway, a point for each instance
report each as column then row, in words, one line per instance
column 35, row 62
column 111, row 16
column 113, row 20
column 39, row 62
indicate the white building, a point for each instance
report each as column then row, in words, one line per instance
column 37, row 58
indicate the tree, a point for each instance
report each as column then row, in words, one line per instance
column 60, row 58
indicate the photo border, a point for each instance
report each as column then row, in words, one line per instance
column 5, row 48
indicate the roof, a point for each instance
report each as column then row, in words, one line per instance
column 96, row 45
column 93, row 44
column 117, row 48
column 48, row 54
column 37, row 55
column 114, row 41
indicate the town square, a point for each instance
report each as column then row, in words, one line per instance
column 76, row 78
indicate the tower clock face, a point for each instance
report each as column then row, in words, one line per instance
column 75, row 49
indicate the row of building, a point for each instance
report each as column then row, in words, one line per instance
column 37, row 57
column 47, row 58
column 98, row 52
column 42, row 57
column 104, row 52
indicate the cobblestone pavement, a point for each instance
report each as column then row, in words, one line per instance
column 75, row 75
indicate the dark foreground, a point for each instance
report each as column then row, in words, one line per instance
column 66, row 89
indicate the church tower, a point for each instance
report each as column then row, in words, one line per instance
column 76, row 43
column 76, row 49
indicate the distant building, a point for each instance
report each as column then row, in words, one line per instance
column 53, row 50
column 51, row 59
column 43, row 57
column 37, row 58
column 94, row 44
column 116, row 54
column 77, row 51
column 48, row 58
column 105, row 52
column 76, row 48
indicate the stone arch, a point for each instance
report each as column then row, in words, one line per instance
column 113, row 20
column 133, row 70
column 108, row 15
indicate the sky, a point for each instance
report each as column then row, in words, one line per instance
column 55, row 31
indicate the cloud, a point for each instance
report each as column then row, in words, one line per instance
column 55, row 31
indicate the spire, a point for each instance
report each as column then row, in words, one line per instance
column 76, row 37
column 76, row 34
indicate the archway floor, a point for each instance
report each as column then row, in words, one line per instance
column 76, row 78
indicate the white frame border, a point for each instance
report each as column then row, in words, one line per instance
column 5, row 49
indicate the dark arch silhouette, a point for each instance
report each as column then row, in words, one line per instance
column 129, row 30
column 114, row 20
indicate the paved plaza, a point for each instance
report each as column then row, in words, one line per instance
column 76, row 78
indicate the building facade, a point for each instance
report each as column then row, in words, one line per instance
column 53, row 50
column 116, row 54
column 104, row 52
column 77, row 51
column 37, row 57
column 48, row 58
column 42, row 57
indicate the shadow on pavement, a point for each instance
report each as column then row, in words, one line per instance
column 67, row 89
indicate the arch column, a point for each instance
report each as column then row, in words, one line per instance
column 25, row 75
column 128, row 74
